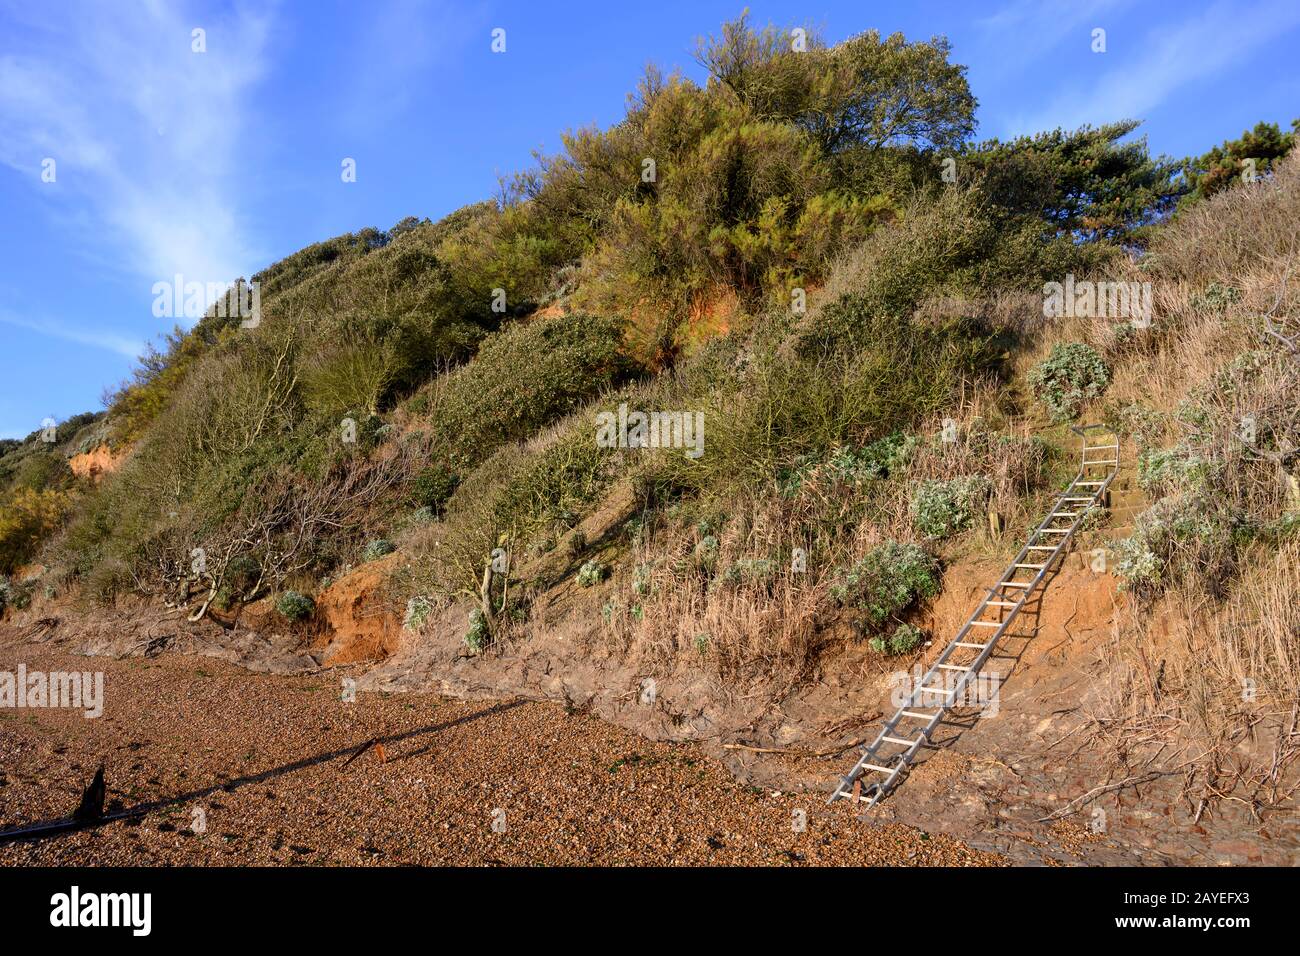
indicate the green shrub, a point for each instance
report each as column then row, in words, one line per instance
column 478, row 635
column 27, row 518
column 882, row 458
column 706, row 551
column 525, row 377
column 351, row 375
column 852, row 464
column 940, row 509
column 591, row 573
column 377, row 549
column 1142, row 422
column 434, row 486
column 423, row 516
column 1073, row 373
column 295, row 606
column 642, row 582
column 418, row 609
column 1183, row 538
column 1165, row 471
column 1216, row 297
column 881, row 372
column 905, row 639
column 243, row 573
column 750, row 571
column 20, row 598
column 888, row 581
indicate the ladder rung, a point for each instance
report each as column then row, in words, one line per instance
column 935, row 690
column 1065, row 514
column 918, row 714
column 1101, row 448
column 1001, row 603
column 987, row 623
column 953, row 667
column 901, row 740
column 1036, row 567
column 1017, row 584
column 1077, row 499
column 1041, row 547
column 1089, row 483
column 1055, row 531
column 1103, row 461
column 873, row 766
column 965, row 644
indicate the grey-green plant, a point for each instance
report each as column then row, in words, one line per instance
column 887, row 581
column 294, row 605
column 1072, row 373
column 941, row 509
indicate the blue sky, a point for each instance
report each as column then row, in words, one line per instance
column 214, row 164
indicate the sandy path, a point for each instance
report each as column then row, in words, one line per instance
column 263, row 758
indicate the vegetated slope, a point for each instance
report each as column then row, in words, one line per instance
column 887, row 387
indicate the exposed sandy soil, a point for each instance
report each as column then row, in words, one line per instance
column 358, row 623
column 96, row 463
column 265, row 759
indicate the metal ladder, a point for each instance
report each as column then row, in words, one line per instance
column 893, row 750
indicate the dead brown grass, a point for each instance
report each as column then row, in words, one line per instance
column 1208, row 679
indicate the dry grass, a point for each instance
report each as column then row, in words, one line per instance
column 1218, row 685
column 732, row 599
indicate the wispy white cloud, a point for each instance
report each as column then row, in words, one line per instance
column 1027, row 30
column 1170, row 56
column 147, row 134
column 110, row 341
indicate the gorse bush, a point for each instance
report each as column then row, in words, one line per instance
column 27, row 518
column 433, row 487
column 524, row 378
column 1072, row 374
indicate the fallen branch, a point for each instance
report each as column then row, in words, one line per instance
column 1095, row 792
